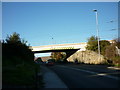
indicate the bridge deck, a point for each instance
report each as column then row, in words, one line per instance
column 56, row 50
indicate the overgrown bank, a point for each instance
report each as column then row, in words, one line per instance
column 18, row 67
column 109, row 53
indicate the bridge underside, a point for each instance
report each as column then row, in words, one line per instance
column 68, row 52
column 56, row 50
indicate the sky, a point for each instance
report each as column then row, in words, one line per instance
column 46, row 23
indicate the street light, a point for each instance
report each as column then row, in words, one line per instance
column 97, row 31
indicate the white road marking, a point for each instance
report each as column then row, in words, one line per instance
column 99, row 74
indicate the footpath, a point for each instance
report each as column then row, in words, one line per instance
column 51, row 80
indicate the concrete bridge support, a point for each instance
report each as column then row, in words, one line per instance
column 68, row 52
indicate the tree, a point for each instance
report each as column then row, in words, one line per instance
column 92, row 43
column 19, row 68
column 110, row 52
column 103, row 46
column 14, row 38
column 16, row 50
column 58, row 56
column 107, row 49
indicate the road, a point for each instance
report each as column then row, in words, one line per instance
column 84, row 77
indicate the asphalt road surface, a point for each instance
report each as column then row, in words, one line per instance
column 82, row 78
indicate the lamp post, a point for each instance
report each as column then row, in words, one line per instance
column 97, row 31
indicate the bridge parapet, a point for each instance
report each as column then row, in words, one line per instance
column 62, row 48
column 59, row 47
column 53, row 48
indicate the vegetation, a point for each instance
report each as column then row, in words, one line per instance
column 111, row 54
column 58, row 56
column 92, row 43
column 106, row 48
column 53, row 60
column 19, row 68
column 103, row 46
column 39, row 60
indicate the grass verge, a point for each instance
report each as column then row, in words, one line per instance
column 22, row 75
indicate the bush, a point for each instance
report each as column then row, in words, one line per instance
column 18, row 63
column 22, row 75
column 116, row 61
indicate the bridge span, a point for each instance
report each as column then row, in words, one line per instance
column 69, row 49
column 59, row 47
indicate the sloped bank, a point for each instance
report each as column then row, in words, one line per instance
column 87, row 57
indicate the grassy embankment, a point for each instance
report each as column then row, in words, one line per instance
column 21, row 76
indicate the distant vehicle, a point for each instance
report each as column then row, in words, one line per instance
column 49, row 63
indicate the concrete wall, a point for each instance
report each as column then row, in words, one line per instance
column 88, row 57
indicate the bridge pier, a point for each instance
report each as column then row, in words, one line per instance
column 68, row 52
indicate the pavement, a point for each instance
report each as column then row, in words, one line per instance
column 51, row 80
